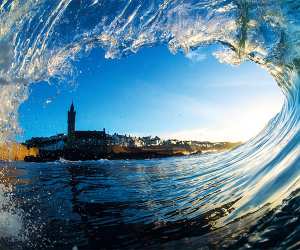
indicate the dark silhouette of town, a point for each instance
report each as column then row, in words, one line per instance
column 93, row 145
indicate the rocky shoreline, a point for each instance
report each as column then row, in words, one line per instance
column 116, row 153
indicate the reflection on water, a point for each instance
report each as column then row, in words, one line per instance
column 135, row 205
column 111, row 204
column 120, row 204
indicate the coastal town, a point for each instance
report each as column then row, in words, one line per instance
column 92, row 145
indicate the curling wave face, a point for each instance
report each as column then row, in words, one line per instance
column 40, row 39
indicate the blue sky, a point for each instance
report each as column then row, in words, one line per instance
column 155, row 92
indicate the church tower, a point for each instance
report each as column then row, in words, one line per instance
column 71, row 120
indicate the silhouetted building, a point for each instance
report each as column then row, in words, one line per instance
column 50, row 148
column 84, row 144
column 71, row 120
column 76, row 145
column 55, row 142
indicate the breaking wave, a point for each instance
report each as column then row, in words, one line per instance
column 40, row 40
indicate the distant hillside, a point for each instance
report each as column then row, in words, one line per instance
column 15, row 151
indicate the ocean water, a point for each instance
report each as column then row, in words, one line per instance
column 136, row 204
column 241, row 199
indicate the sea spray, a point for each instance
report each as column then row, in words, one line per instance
column 11, row 219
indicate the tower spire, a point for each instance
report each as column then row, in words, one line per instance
column 72, row 106
column 71, row 120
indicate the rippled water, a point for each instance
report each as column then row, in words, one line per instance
column 159, row 201
column 138, row 204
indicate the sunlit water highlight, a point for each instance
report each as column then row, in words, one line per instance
column 161, row 200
